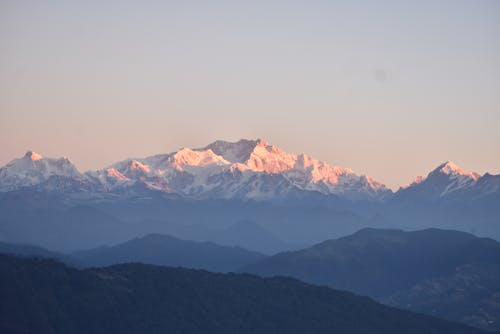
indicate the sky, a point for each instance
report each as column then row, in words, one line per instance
column 390, row 89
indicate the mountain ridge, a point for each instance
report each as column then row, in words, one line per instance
column 246, row 169
column 166, row 250
column 408, row 270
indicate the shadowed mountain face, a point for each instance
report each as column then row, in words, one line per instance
column 446, row 273
column 168, row 251
column 42, row 296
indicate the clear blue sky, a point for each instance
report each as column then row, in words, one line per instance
column 387, row 88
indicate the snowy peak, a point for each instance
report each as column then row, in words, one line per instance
column 243, row 169
column 302, row 171
column 246, row 169
column 189, row 157
column 33, row 161
column 33, row 156
column 237, row 152
column 270, row 159
column 260, row 156
column 33, row 169
column 451, row 169
column 128, row 168
column 446, row 180
column 254, row 155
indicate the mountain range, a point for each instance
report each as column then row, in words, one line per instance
column 247, row 169
column 158, row 249
column 249, row 194
column 169, row 251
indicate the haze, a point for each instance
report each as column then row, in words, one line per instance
column 388, row 89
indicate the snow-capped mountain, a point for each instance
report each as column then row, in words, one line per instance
column 447, row 180
column 247, row 169
column 34, row 170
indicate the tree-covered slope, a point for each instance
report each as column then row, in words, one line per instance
column 450, row 274
column 43, row 296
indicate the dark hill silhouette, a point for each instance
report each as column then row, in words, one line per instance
column 43, row 296
column 445, row 273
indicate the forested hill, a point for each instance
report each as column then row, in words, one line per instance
column 44, row 296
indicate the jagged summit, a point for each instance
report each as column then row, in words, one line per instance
column 446, row 179
column 449, row 167
column 33, row 169
column 235, row 152
column 260, row 156
column 452, row 169
column 33, row 156
column 245, row 169
column 189, row 157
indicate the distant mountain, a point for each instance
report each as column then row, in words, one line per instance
column 154, row 249
column 258, row 226
column 251, row 235
column 247, row 169
column 60, row 228
column 488, row 184
column 169, row 251
column 444, row 273
column 41, row 296
column 33, row 170
column 244, row 233
column 293, row 199
column 447, row 198
column 447, row 180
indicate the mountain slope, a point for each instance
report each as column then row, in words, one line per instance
column 47, row 297
column 33, row 170
column 169, row 251
column 401, row 268
column 447, row 181
column 250, row 235
column 246, row 234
